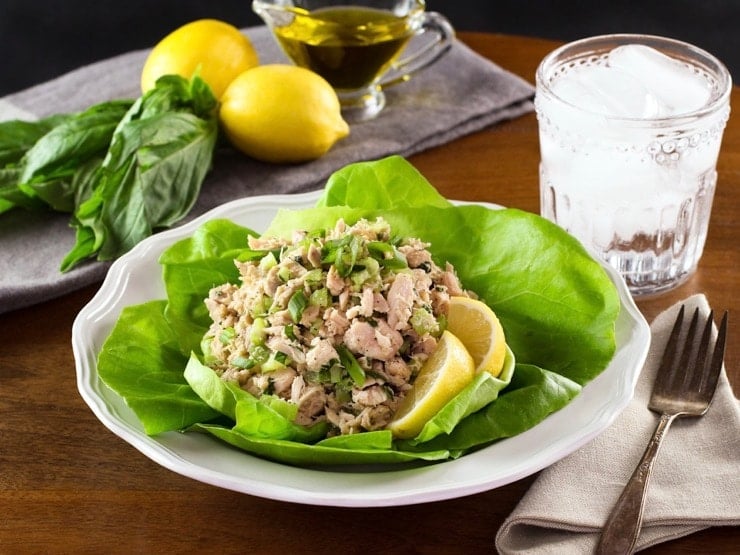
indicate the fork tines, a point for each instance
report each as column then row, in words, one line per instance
column 678, row 360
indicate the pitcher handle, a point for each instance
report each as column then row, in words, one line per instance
column 402, row 69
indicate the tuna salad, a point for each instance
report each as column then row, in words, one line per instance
column 337, row 322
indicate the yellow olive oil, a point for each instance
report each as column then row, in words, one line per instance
column 347, row 46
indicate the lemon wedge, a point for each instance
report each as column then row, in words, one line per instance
column 444, row 374
column 477, row 326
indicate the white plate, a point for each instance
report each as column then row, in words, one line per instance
column 135, row 278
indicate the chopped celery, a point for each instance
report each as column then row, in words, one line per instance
column 257, row 331
column 423, row 321
column 320, row 297
column 268, row 261
column 284, row 274
column 243, row 362
column 261, row 307
column 226, row 335
column 314, row 277
column 277, row 361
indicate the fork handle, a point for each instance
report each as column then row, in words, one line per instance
column 622, row 528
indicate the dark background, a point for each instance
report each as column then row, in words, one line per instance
column 43, row 39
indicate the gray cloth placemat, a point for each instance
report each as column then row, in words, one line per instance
column 695, row 482
column 462, row 93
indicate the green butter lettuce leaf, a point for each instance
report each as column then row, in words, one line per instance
column 533, row 394
column 301, row 454
column 556, row 304
column 266, row 417
column 191, row 267
column 482, row 391
column 141, row 360
column 380, row 184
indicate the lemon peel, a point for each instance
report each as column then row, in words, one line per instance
column 282, row 114
column 217, row 51
column 444, row 374
column 480, row 330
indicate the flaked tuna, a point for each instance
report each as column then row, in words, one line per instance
column 338, row 323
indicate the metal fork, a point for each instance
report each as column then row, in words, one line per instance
column 684, row 386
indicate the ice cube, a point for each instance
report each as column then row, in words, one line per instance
column 677, row 88
column 607, row 91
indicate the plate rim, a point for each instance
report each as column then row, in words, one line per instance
column 354, row 492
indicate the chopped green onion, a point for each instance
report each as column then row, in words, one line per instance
column 343, row 253
column 274, row 363
column 379, row 249
column 335, row 373
column 297, row 304
column 281, row 357
column 253, row 255
column 260, row 307
column 398, row 262
column 350, row 364
column 388, row 255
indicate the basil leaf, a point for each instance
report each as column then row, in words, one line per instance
column 66, row 193
column 152, row 173
column 17, row 137
column 11, row 195
column 87, row 134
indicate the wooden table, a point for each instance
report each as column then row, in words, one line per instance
column 69, row 485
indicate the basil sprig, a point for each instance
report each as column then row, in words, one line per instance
column 122, row 168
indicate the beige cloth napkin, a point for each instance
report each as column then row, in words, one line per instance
column 695, row 482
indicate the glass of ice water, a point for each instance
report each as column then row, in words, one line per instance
column 630, row 129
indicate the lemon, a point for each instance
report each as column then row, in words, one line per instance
column 282, row 113
column 445, row 373
column 477, row 326
column 216, row 50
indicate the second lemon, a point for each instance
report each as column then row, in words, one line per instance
column 282, row 113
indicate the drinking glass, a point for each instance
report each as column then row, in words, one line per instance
column 359, row 47
column 630, row 128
